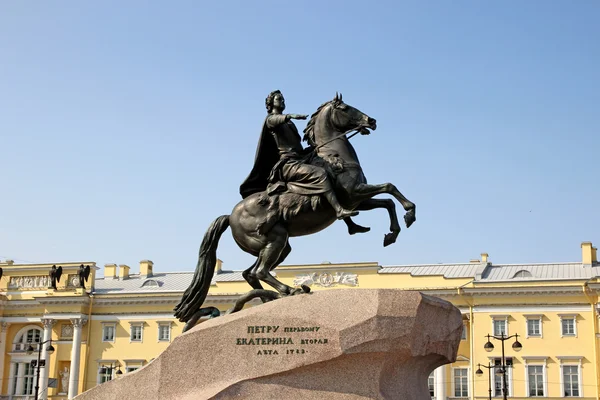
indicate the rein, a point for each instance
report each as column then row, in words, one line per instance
column 314, row 150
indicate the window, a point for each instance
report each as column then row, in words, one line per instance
column 570, row 380
column 461, row 384
column 108, row 332
column 151, row 283
column 500, row 327
column 431, row 384
column 498, row 384
column 535, row 377
column 28, row 337
column 523, row 274
column 132, row 365
column 105, row 374
column 464, row 332
column 534, row 326
column 568, row 326
column 136, row 333
column 164, row 332
column 28, row 379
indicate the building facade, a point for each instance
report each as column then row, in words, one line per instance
column 122, row 321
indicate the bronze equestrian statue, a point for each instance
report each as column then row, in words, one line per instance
column 293, row 191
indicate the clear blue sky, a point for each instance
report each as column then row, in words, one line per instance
column 127, row 127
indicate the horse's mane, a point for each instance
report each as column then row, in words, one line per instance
column 309, row 134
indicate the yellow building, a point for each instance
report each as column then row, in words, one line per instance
column 122, row 321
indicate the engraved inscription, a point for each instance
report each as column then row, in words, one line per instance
column 273, row 340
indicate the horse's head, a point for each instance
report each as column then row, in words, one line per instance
column 345, row 117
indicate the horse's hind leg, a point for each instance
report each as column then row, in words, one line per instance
column 250, row 277
column 389, row 205
column 271, row 255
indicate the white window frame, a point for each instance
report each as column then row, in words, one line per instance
column 167, row 324
column 568, row 316
column 509, row 377
column 432, row 377
column 137, row 364
column 136, row 324
column 454, row 383
column 104, row 326
column 570, row 361
column 534, row 317
column 105, row 364
column 500, row 318
column 535, row 361
column 20, row 342
column 28, row 380
column 464, row 334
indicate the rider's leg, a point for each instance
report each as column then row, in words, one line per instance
column 340, row 212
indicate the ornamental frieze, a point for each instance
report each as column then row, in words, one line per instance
column 326, row 279
column 29, row 282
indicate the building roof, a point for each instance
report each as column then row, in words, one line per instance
column 477, row 271
column 554, row 271
column 447, row 270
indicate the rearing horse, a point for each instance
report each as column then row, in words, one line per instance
column 261, row 225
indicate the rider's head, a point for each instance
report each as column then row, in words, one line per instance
column 275, row 100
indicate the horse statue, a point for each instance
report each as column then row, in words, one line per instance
column 262, row 223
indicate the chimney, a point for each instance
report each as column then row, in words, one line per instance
column 110, row 271
column 588, row 254
column 219, row 266
column 484, row 258
column 124, row 271
column 146, row 268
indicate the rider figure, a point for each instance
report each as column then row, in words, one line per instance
column 280, row 158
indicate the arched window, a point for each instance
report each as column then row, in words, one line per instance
column 523, row 274
column 26, row 336
column 151, row 283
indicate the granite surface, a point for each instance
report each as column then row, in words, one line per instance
column 330, row 344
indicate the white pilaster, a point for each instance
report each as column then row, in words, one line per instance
column 440, row 383
column 20, row 380
column 11, row 378
column 48, row 324
column 3, row 331
column 75, row 356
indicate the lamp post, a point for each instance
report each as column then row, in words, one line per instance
column 109, row 369
column 49, row 350
column 479, row 372
column 502, row 371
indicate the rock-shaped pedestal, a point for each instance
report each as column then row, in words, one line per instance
column 334, row 344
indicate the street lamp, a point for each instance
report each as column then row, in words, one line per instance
column 49, row 350
column 479, row 372
column 489, row 346
column 109, row 369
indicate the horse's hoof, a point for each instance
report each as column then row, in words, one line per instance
column 389, row 238
column 409, row 218
column 305, row 289
column 358, row 229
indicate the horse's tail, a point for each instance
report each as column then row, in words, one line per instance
column 196, row 293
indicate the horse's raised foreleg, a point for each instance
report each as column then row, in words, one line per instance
column 366, row 190
column 389, row 205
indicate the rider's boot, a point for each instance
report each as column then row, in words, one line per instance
column 340, row 212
